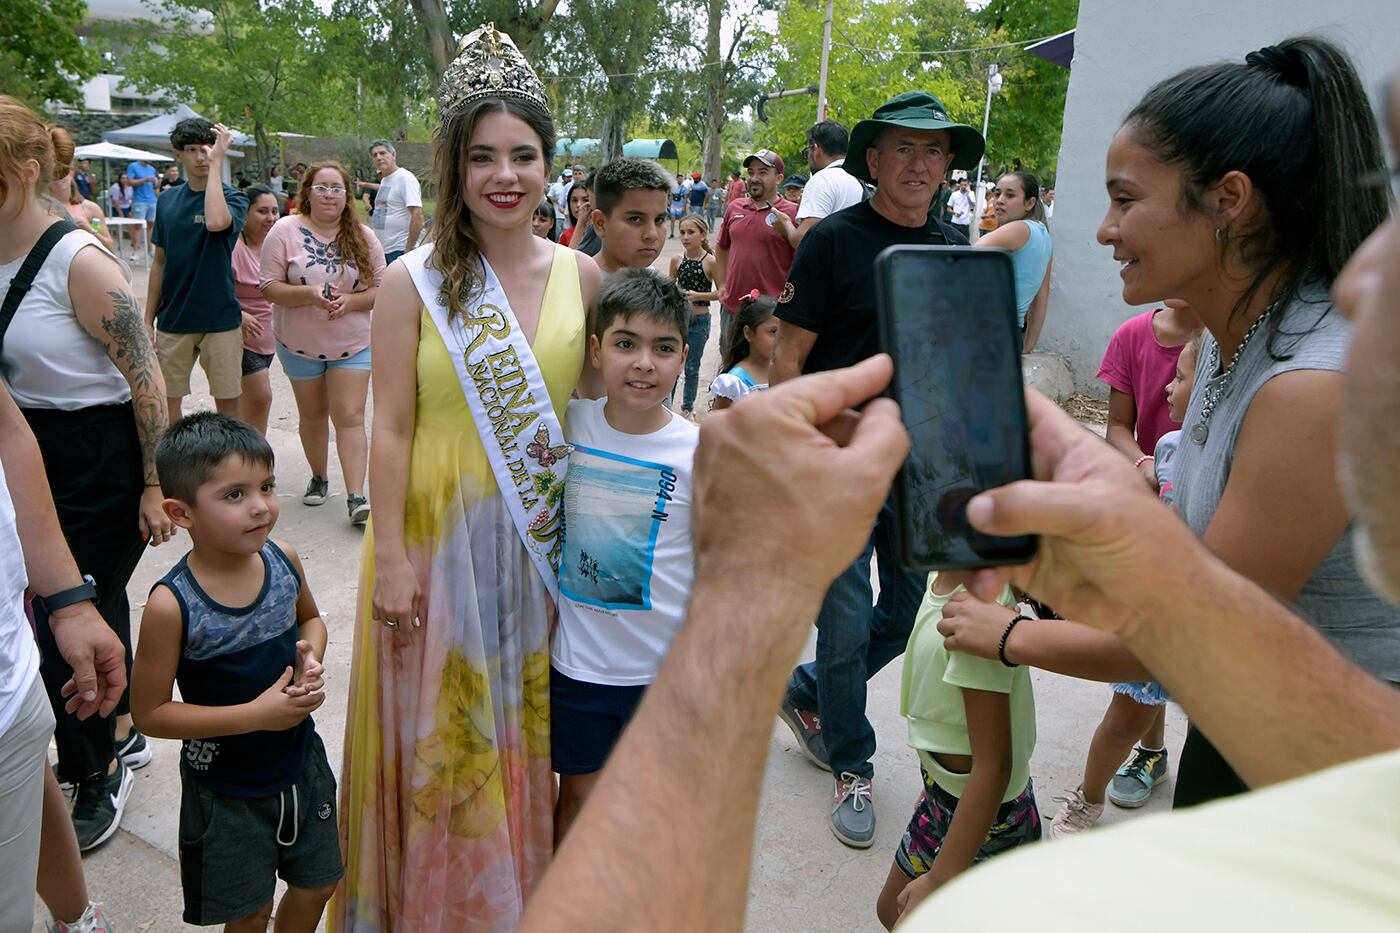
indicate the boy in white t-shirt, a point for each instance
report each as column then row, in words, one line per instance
column 627, row 567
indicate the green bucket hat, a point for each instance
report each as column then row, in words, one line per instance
column 913, row 110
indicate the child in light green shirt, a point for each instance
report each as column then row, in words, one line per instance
column 972, row 722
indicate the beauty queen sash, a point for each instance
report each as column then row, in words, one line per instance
column 509, row 401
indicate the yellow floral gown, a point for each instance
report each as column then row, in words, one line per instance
column 447, row 795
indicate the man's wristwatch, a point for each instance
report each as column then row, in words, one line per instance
column 63, row 598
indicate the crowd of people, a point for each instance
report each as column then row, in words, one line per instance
column 556, row 636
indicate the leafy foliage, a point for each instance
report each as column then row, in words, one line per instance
column 41, row 56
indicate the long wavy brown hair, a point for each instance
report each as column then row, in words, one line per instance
column 456, row 252
column 350, row 239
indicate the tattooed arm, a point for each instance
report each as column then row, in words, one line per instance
column 108, row 310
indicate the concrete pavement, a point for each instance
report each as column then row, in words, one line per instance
column 803, row 878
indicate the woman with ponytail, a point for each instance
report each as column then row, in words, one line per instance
column 321, row 269
column 1234, row 187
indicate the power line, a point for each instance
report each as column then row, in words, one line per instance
column 980, row 48
column 630, row 74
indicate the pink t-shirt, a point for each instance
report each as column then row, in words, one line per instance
column 1136, row 364
column 246, row 275
column 295, row 255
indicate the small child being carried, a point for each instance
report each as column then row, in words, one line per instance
column 627, row 566
column 235, row 625
column 746, row 358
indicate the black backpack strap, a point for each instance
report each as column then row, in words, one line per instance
column 24, row 278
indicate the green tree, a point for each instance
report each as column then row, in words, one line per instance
column 41, row 56
column 254, row 65
column 627, row 39
column 1028, row 115
column 867, row 66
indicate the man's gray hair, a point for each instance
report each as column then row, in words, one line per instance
column 386, row 144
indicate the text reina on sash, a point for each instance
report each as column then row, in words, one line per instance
column 501, row 383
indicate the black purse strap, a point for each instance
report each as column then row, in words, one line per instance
column 24, row 278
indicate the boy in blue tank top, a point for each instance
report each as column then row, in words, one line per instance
column 235, row 625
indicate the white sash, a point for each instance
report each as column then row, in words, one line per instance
column 508, row 398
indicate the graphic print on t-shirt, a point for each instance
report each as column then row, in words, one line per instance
column 614, row 507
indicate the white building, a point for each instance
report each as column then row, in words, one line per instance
column 1120, row 50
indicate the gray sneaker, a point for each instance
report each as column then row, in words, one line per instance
column 1133, row 784
column 806, row 728
column 316, row 491
column 358, row 508
column 853, row 811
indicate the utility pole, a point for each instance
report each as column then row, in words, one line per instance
column 826, row 58
column 994, row 82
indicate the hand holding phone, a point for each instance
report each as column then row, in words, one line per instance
column 947, row 315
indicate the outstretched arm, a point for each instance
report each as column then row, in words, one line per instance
column 703, row 728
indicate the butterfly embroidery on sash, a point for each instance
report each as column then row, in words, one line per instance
column 540, row 450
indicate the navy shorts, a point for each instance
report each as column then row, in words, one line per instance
column 586, row 720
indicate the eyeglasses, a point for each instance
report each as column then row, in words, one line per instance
column 332, row 191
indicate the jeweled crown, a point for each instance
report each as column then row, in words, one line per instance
column 488, row 65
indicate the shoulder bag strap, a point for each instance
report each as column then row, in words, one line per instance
column 24, row 278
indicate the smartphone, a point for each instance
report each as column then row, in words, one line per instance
column 947, row 315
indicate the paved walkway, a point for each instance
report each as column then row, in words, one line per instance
column 803, row 878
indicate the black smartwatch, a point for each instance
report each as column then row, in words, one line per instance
column 85, row 590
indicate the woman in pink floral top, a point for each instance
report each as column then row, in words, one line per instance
column 321, row 269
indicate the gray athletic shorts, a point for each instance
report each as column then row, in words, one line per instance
column 233, row 848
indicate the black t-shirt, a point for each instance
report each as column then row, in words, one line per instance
column 831, row 285
column 196, row 292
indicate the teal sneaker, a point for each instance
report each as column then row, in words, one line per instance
column 1132, row 785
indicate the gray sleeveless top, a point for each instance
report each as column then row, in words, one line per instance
column 1336, row 599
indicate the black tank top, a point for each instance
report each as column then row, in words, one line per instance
column 691, row 277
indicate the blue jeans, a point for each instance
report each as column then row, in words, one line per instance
column 390, row 257
column 697, row 336
column 855, row 640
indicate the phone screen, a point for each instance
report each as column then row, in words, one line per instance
column 948, row 317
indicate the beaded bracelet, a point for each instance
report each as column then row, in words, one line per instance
column 1143, row 459
column 1001, row 646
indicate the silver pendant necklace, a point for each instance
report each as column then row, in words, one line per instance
column 1200, row 431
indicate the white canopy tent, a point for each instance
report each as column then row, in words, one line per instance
column 118, row 153
column 155, row 133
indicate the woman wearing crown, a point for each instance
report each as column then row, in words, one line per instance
column 478, row 338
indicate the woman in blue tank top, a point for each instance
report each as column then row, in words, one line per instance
column 1021, row 232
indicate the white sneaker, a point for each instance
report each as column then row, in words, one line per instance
column 1076, row 815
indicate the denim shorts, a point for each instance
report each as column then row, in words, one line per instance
column 143, row 210
column 299, row 368
column 586, row 720
column 1145, row 692
column 1016, row 823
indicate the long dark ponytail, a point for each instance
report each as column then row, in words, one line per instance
column 1295, row 118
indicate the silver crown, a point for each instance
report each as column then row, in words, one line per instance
column 488, row 65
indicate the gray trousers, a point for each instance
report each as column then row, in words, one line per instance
column 24, row 754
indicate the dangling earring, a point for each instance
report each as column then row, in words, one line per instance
column 1222, row 234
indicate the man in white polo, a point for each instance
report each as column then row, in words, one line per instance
column 398, row 208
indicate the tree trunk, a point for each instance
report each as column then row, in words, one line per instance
column 432, row 16
column 264, row 150
column 716, row 90
column 614, row 133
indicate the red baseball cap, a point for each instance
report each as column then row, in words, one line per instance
column 767, row 157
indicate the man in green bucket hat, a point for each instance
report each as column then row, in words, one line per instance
column 826, row 314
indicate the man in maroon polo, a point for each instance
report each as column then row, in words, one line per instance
column 750, row 252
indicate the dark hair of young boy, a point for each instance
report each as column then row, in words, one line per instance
column 630, row 292
column 192, row 131
column 192, row 448
column 620, row 176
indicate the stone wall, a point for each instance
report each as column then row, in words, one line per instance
column 87, row 127
column 353, row 153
